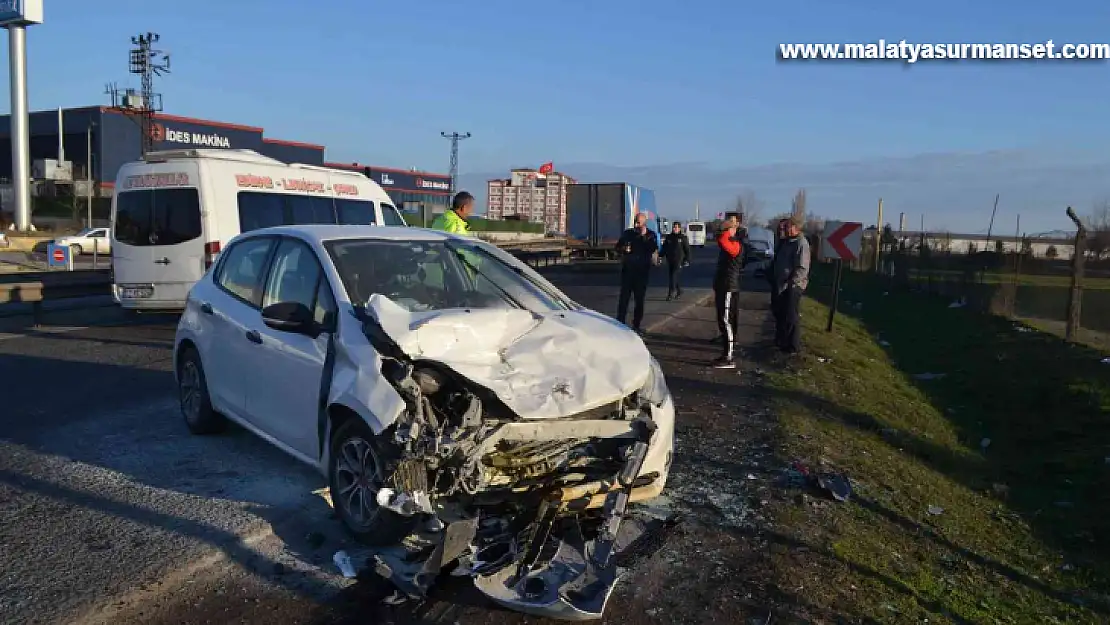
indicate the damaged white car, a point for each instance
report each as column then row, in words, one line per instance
column 468, row 416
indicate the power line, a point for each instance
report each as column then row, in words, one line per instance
column 455, row 137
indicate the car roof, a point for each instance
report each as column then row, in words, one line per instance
column 319, row 233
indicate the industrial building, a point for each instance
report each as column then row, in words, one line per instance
column 530, row 195
column 108, row 137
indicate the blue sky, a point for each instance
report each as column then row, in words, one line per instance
column 600, row 86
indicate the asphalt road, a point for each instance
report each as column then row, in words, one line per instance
column 110, row 512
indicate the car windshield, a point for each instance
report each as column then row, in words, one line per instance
column 760, row 245
column 84, row 233
column 437, row 275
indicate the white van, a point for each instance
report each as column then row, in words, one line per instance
column 695, row 232
column 173, row 210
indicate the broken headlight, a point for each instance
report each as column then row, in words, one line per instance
column 655, row 389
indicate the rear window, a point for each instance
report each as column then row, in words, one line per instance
column 695, row 227
column 157, row 217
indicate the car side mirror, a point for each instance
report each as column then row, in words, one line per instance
column 290, row 317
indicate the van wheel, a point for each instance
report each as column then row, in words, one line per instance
column 355, row 475
column 196, row 406
column 75, row 250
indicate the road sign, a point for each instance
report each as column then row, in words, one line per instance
column 59, row 256
column 841, row 240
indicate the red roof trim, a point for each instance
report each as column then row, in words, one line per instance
column 190, row 120
column 393, row 170
column 293, row 144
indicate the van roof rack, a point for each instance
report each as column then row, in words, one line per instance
column 239, row 155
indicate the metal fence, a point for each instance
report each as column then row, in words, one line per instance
column 1014, row 285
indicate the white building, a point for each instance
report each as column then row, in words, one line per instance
column 530, row 196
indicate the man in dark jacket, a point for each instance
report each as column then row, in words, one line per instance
column 791, row 276
column 726, row 288
column 676, row 249
column 639, row 250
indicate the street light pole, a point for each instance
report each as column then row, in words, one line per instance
column 88, row 174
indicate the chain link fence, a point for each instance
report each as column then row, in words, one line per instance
column 1015, row 284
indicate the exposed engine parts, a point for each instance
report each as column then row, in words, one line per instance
column 534, row 513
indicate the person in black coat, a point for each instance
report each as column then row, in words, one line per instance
column 676, row 249
column 726, row 287
column 639, row 250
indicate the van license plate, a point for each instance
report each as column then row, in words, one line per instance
column 140, row 292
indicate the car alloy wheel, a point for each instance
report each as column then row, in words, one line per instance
column 358, row 480
column 191, row 392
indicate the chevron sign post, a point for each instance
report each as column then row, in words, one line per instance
column 840, row 242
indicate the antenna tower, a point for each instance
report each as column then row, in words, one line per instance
column 455, row 137
column 147, row 62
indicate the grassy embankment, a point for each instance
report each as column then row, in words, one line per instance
column 982, row 496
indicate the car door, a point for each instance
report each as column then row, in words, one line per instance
column 98, row 242
column 286, row 367
column 232, row 312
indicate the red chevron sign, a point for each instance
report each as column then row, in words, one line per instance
column 842, row 240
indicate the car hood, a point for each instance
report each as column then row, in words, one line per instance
column 542, row 366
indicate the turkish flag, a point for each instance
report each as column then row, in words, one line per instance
column 547, row 168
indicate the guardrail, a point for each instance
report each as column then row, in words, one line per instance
column 37, row 287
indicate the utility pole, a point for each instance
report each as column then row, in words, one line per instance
column 455, row 137
column 148, row 62
column 16, row 17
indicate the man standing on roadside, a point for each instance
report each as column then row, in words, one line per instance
column 726, row 288
column 791, row 276
column 639, row 250
column 676, row 249
column 780, row 238
column 454, row 219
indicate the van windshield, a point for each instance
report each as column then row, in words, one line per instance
column 695, row 227
column 157, row 217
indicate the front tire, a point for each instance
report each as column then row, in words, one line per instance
column 192, row 392
column 75, row 250
column 355, row 475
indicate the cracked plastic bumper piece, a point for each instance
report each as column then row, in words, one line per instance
column 576, row 583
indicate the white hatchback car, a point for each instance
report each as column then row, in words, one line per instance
column 429, row 377
column 88, row 241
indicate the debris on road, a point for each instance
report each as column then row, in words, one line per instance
column 925, row 377
column 935, row 510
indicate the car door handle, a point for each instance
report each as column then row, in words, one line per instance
column 254, row 337
column 206, row 308
column 162, row 261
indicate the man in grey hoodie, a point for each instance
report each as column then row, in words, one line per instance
column 790, row 276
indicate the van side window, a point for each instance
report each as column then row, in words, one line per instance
column 157, row 217
column 391, row 217
column 355, row 212
column 306, row 209
column 260, row 210
column 242, row 268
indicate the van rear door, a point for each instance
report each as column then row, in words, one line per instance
column 157, row 246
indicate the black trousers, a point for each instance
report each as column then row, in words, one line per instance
column 634, row 283
column 788, row 321
column 674, row 275
column 728, row 318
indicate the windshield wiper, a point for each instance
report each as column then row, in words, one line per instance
column 504, row 294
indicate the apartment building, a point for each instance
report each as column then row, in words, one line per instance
column 531, row 196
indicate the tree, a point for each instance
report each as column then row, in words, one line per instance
column 813, row 225
column 1026, row 246
column 799, row 205
column 1098, row 227
column 972, row 248
column 1051, row 253
column 943, row 242
column 999, row 247
column 750, row 206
